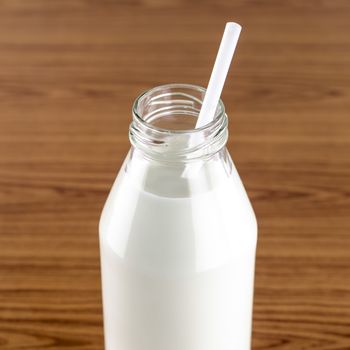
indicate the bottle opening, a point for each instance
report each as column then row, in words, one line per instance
column 175, row 122
column 164, row 120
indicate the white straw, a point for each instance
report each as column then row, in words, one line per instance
column 216, row 83
column 218, row 76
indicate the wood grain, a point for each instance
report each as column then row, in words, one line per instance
column 69, row 71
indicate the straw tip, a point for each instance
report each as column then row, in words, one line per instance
column 233, row 26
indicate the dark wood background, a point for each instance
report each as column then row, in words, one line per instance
column 69, row 71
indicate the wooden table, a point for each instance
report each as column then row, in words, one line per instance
column 69, row 71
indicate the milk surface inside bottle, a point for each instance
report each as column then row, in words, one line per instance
column 177, row 233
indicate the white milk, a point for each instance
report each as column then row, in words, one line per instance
column 177, row 259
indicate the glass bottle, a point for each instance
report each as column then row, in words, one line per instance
column 177, row 233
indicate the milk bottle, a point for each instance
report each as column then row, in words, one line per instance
column 177, row 233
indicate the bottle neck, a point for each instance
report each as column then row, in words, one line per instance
column 163, row 125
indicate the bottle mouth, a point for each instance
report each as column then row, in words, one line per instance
column 164, row 120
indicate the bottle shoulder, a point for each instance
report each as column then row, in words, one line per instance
column 209, row 219
column 142, row 185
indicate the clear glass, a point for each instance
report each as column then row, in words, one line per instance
column 177, row 233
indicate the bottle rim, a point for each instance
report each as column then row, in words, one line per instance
column 151, row 138
column 155, row 89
